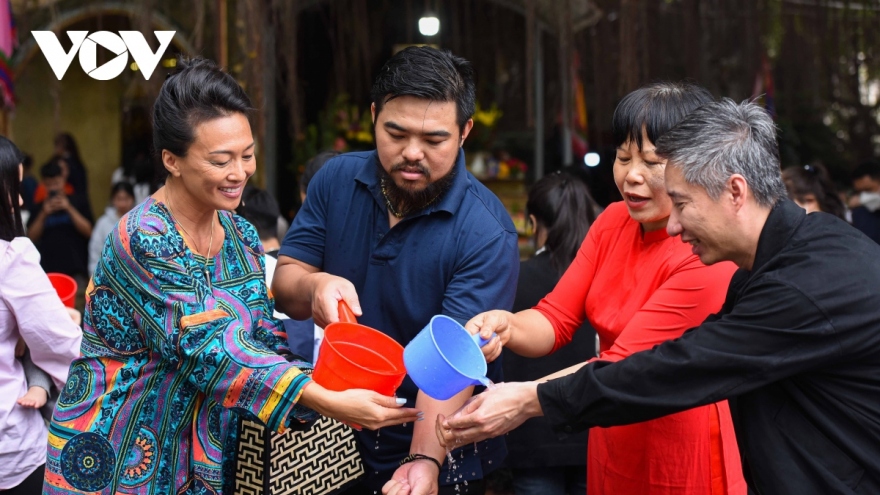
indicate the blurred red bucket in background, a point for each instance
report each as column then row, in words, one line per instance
column 65, row 286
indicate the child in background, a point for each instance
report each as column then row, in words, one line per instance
column 38, row 381
column 121, row 202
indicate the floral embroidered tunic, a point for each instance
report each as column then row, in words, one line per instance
column 169, row 359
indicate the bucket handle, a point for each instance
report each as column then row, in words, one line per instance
column 480, row 340
column 346, row 315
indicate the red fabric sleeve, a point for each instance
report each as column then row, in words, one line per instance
column 689, row 295
column 564, row 306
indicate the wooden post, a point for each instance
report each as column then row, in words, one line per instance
column 270, row 110
column 565, row 78
column 539, row 104
column 530, row 62
column 222, row 34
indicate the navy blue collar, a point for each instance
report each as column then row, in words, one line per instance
column 450, row 201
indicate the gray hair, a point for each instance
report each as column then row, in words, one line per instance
column 723, row 138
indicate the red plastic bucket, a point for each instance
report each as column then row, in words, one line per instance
column 65, row 286
column 357, row 356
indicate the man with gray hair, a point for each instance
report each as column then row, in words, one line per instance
column 795, row 348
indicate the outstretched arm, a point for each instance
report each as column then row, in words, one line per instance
column 302, row 291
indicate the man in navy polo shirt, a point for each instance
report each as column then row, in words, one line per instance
column 401, row 234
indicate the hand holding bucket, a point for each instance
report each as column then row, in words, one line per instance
column 444, row 358
column 357, row 356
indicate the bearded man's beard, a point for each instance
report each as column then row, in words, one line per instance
column 404, row 200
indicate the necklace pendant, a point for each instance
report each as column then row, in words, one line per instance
column 208, row 278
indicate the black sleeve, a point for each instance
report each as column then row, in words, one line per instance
column 772, row 332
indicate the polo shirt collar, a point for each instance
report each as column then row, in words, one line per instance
column 781, row 224
column 450, row 201
column 460, row 184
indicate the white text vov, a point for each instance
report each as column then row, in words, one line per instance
column 87, row 46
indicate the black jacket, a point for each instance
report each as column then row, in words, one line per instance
column 868, row 222
column 533, row 444
column 796, row 350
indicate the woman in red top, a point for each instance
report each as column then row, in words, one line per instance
column 638, row 287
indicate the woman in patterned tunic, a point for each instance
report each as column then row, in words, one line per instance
column 179, row 337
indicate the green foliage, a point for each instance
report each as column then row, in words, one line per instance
column 342, row 126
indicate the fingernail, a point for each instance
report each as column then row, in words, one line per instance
column 401, row 401
column 420, row 418
column 421, row 414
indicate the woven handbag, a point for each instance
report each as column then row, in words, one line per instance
column 318, row 458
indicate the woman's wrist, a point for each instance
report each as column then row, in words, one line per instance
column 317, row 398
column 512, row 320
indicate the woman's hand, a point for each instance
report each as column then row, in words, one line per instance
column 485, row 324
column 359, row 407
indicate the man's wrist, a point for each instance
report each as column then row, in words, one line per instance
column 422, row 457
column 312, row 281
column 532, row 406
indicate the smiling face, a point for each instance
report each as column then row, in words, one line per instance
column 701, row 221
column 418, row 140
column 218, row 163
column 639, row 178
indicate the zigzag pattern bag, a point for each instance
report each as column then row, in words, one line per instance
column 319, row 458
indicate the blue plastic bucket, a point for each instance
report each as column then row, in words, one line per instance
column 444, row 358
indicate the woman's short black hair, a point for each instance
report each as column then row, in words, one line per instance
column 123, row 187
column 562, row 204
column 656, row 108
column 312, row 168
column 427, row 73
column 813, row 179
column 197, row 91
column 10, row 189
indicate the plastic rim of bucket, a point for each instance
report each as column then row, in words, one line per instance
column 65, row 287
column 338, row 370
column 388, row 340
column 432, row 370
column 384, row 381
column 443, row 355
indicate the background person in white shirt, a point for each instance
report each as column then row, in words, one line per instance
column 122, row 200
